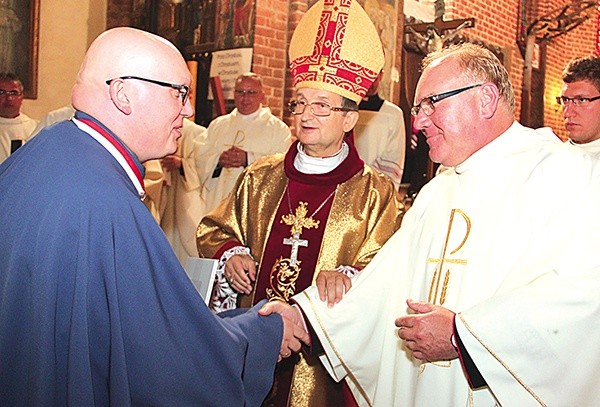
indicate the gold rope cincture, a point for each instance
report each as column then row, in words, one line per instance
column 434, row 289
column 285, row 271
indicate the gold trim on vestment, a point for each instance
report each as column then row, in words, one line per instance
column 350, row 374
column 504, row 364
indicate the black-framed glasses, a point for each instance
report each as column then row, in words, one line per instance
column 576, row 101
column 183, row 90
column 427, row 104
column 10, row 92
column 317, row 108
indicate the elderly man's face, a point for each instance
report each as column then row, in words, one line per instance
column 451, row 130
column 248, row 95
column 581, row 121
column 322, row 136
column 10, row 99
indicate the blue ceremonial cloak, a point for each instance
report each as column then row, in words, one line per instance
column 95, row 308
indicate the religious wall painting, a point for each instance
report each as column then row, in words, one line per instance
column 384, row 15
column 235, row 24
column 205, row 25
column 19, row 36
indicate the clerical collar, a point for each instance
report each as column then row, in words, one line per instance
column 319, row 165
column 124, row 156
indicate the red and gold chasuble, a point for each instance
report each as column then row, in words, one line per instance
column 353, row 224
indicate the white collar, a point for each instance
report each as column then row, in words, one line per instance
column 319, row 165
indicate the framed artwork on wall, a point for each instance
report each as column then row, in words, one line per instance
column 19, row 36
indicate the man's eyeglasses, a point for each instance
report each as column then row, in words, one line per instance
column 317, row 108
column 10, row 92
column 244, row 92
column 427, row 103
column 184, row 90
column 576, row 101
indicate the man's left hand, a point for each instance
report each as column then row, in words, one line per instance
column 428, row 331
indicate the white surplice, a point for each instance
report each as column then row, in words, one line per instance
column 521, row 268
column 593, row 147
column 380, row 138
column 258, row 134
column 181, row 206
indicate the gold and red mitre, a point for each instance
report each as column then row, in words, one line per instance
column 336, row 47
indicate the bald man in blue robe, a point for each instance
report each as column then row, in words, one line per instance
column 95, row 308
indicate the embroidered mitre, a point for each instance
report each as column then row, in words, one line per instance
column 336, row 47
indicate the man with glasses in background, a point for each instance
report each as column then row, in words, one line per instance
column 493, row 286
column 316, row 210
column 580, row 102
column 95, row 308
column 237, row 139
column 15, row 126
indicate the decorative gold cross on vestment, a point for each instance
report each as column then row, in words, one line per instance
column 298, row 222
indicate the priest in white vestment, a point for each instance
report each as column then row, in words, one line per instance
column 380, row 135
column 181, row 206
column 15, row 126
column 489, row 292
column 580, row 100
column 238, row 139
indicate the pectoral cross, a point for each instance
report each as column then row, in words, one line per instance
column 298, row 222
column 295, row 242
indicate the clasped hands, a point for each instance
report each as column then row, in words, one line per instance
column 171, row 162
column 427, row 331
column 233, row 157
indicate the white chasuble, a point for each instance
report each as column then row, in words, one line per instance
column 259, row 134
column 489, row 241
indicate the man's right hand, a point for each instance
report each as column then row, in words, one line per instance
column 240, row 272
column 294, row 330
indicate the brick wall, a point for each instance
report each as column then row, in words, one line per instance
column 270, row 50
column 496, row 23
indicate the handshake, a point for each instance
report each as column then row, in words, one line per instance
column 295, row 332
column 332, row 285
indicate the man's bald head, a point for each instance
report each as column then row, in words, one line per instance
column 136, row 110
column 124, row 51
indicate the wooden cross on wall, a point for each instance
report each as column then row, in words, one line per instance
column 434, row 34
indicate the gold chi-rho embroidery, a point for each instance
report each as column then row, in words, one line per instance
column 437, row 296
